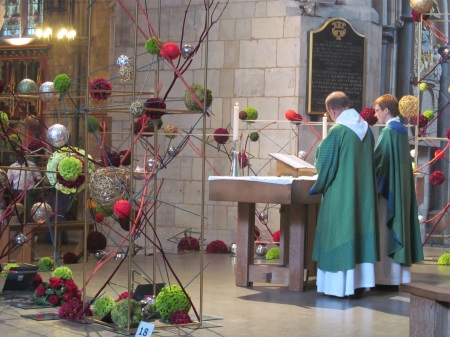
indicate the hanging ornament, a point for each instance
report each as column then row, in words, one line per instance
column 261, row 250
column 126, row 73
column 172, row 151
column 57, row 135
column 47, row 92
column 27, row 86
column 421, row 6
column 187, row 51
column 137, row 109
column 20, row 239
column 138, row 173
column 123, row 60
column 41, row 212
column 150, row 165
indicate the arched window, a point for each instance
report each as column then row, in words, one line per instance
column 19, row 18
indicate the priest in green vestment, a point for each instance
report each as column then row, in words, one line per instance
column 346, row 239
column 400, row 240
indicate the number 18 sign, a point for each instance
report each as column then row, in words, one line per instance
column 144, row 329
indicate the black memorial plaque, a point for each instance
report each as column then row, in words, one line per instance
column 336, row 63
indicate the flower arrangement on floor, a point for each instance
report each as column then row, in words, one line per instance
column 103, row 305
column 217, row 247
column 172, row 299
column 46, row 264
column 187, row 244
column 74, row 310
column 119, row 313
column 59, row 289
column 444, row 259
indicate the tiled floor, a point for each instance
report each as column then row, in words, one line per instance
column 261, row 311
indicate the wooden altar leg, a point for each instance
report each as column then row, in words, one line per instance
column 244, row 243
column 285, row 219
column 297, row 248
column 311, row 222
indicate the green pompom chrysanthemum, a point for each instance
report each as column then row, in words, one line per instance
column 46, row 264
column 4, row 119
column 119, row 314
column 429, row 114
column 13, row 142
column 273, row 253
column 254, row 136
column 103, row 305
column 444, row 259
column 70, row 168
column 171, row 299
column 104, row 210
column 61, row 83
column 63, row 272
column 252, row 113
column 8, row 267
column 153, row 46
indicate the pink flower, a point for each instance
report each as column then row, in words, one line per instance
column 40, row 290
column 55, row 282
column 53, row 300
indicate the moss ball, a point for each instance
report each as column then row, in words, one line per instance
column 199, row 91
column 254, row 136
column 103, row 305
column 171, row 299
column 94, row 124
column 61, row 83
column 153, row 46
column 252, row 113
column 119, row 313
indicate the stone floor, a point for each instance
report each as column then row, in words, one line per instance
column 263, row 310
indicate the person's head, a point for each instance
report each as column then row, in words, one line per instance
column 336, row 102
column 386, row 107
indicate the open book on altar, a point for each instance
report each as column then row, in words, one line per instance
column 290, row 165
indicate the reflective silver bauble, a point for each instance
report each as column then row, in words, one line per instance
column 120, row 256
column 151, row 165
column 47, row 92
column 302, row 154
column 27, row 86
column 137, row 109
column 126, row 73
column 57, row 135
column 421, row 219
column 186, row 51
column 20, row 239
column 123, row 60
column 261, row 250
column 41, row 212
column 138, row 173
column 172, row 151
column 233, row 248
column 100, row 254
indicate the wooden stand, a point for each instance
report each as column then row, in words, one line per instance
column 298, row 215
column 289, row 165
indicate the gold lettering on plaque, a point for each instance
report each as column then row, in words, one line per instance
column 338, row 29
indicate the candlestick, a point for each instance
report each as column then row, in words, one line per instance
column 236, row 122
column 324, row 126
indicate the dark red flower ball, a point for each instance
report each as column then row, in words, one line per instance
column 437, row 177
column 180, row 317
column 217, row 247
column 36, row 146
column 126, row 161
column 276, row 237
column 188, row 243
column 221, row 136
column 100, row 89
column 416, row 16
column 99, row 217
column 113, row 158
column 368, row 114
column 243, row 159
column 439, row 154
column 293, row 116
column 70, row 258
column 447, row 134
column 96, row 241
column 170, row 50
column 423, row 121
column 122, row 209
column 154, row 103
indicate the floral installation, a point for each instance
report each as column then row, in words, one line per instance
column 154, row 103
column 4, row 119
column 123, row 308
column 74, row 310
column 96, row 241
column 368, row 114
column 429, row 114
column 153, row 46
column 276, row 237
column 423, row 121
column 217, row 247
column 180, row 317
column 439, row 154
column 437, row 177
column 254, row 136
column 169, row 50
column 68, row 177
column 292, row 115
column 93, row 124
column 63, row 272
column 188, row 244
column 172, row 299
column 56, row 291
column 416, row 16
column 37, row 281
column 122, row 208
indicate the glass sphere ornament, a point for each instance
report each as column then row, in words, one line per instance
column 47, row 92
column 125, row 73
column 27, row 86
column 186, row 51
column 123, row 60
column 57, row 135
column 302, row 154
column 100, row 254
column 151, row 165
column 20, row 239
column 137, row 109
column 41, row 212
column 138, row 173
column 172, row 151
column 261, row 250
column 233, row 248
column 120, row 256
column 148, row 304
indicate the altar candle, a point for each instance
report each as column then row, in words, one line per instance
column 324, row 126
column 236, row 122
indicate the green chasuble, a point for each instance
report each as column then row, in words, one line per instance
column 346, row 232
column 395, row 183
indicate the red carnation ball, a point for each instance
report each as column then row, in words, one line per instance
column 99, row 217
column 437, row 177
column 170, row 50
column 122, row 209
column 154, row 103
column 276, row 237
column 423, row 121
column 243, row 159
column 439, row 154
column 100, row 89
column 293, row 116
column 221, row 135
column 368, row 114
column 448, row 133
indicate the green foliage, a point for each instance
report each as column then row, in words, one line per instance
column 254, row 136
column 444, row 259
column 171, row 299
column 273, row 253
column 61, row 83
column 199, row 91
column 46, row 264
column 8, row 267
column 252, row 113
column 4, row 119
column 103, row 305
column 94, row 124
column 153, row 46
column 63, row 272
column 119, row 313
